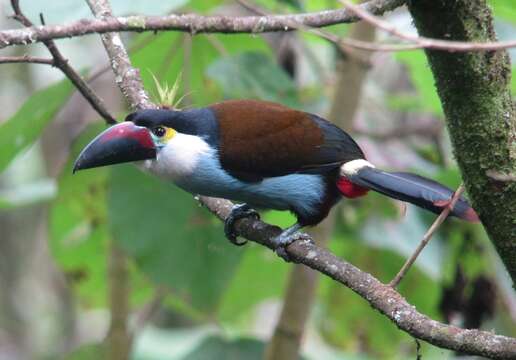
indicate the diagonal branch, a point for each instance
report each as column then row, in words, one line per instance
column 426, row 238
column 63, row 65
column 381, row 297
column 127, row 77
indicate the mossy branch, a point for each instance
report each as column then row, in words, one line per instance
column 475, row 94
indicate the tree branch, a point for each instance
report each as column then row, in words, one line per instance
column 127, row 78
column 417, row 42
column 191, row 23
column 26, row 59
column 381, row 297
column 62, row 63
column 475, row 93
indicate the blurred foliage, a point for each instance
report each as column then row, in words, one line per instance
column 24, row 128
column 175, row 243
column 219, row 297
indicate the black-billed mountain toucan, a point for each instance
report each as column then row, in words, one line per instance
column 263, row 155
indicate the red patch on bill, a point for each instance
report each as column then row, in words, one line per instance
column 128, row 130
column 350, row 190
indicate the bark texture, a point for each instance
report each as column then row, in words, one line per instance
column 475, row 94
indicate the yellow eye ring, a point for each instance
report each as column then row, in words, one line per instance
column 164, row 133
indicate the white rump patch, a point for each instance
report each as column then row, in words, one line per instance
column 352, row 167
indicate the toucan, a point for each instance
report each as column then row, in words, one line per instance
column 261, row 155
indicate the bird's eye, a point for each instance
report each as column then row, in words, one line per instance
column 159, row 131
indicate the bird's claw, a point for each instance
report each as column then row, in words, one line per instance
column 282, row 244
column 238, row 212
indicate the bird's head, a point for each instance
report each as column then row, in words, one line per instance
column 142, row 136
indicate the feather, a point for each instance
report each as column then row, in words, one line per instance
column 260, row 139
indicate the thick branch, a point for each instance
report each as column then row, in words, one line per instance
column 475, row 93
column 382, row 297
column 191, row 23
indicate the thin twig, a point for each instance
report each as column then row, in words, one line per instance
column 344, row 45
column 415, row 41
column 426, row 238
column 62, row 63
column 26, row 59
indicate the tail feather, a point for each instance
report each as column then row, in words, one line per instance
column 415, row 189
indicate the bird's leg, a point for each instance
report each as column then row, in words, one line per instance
column 288, row 236
column 238, row 211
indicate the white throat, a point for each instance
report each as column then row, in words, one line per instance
column 179, row 157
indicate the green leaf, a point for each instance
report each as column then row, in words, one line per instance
column 216, row 347
column 403, row 236
column 88, row 352
column 346, row 320
column 78, row 232
column 21, row 130
column 254, row 75
column 173, row 240
column 79, row 235
column 423, row 79
column 250, row 287
column 166, row 58
column 504, row 9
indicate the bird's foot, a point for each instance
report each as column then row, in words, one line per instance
column 238, row 212
column 287, row 237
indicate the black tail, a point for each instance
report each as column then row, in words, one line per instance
column 420, row 191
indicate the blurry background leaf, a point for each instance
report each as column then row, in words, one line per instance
column 28, row 194
column 78, row 229
column 174, row 241
column 88, row 352
column 171, row 54
column 403, row 236
column 422, row 79
column 22, row 129
column 253, row 75
column 79, row 233
column 504, row 10
column 216, row 347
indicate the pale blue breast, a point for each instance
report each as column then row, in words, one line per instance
column 302, row 192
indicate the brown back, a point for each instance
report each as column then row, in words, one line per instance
column 262, row 139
